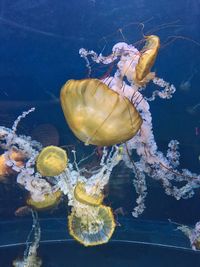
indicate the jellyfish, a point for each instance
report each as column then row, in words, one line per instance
column 13, row 159
column 90, row 222
column 98, row 115
column 51, row 161
column 88, row 195
column 88, row 190
column 50, row 201
column 25, row 173
column 186, row 84
column 83, row 192
column 149, row 52
column 14, row 155
column 91, row 226
column 193, row 234
column 112, row 112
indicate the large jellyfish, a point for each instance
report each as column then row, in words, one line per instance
column 98, row 115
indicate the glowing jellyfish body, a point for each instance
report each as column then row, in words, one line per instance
column 14, row 155
column 88, row 198
column 96, row 114
column 148, row 56
column 50, row 201
column 91, row 225
column 51, row 161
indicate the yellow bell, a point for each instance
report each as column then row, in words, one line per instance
column 82, row 196
column 142, row 74
column 49, row 202
column 51, row 161
column 94, row 226
column 96, row 114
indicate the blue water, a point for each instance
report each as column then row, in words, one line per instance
column 39, row 44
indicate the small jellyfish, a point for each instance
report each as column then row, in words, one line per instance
column 91, row 226
column 51, row 161
column 6, row 170
column 88, row 198
column 149, row 52
column 186, row 84
column 96, row 114
column 50, row 201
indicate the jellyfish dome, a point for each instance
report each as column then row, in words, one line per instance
column 91, row 225
column 96, row 114
column 50, row 200
column 89, row 197
column 51, row 161
column 148, row 56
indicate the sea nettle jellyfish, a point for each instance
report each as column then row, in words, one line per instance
column 98, row 115
column 106, row 112
column 14, row 155
column 91, row 225
column 133, row 72
column 51, row 161
column 50, row 201
column 149, row 52
column 88, row 195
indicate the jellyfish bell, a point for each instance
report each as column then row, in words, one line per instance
column 4, row 169
column 50, row 201
column 51, row 161
column 88, row 198
column 142, row 73
column 96, row 114
column 91, row 226
column 13, row 155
